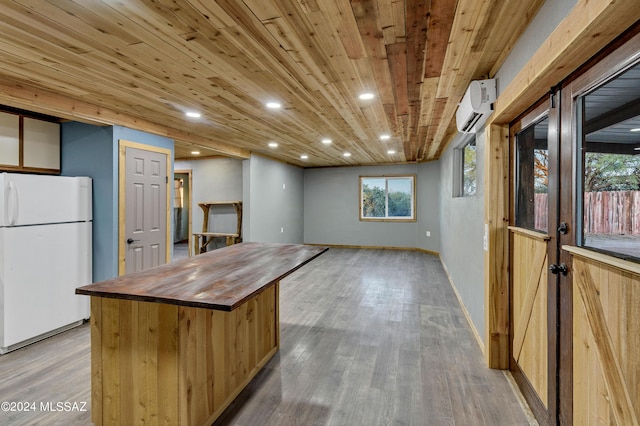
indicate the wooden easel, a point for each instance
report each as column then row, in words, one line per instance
column 202, row 239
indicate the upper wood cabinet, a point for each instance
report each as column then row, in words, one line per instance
column 41, row 144
column 29, row 144
column 9, row 139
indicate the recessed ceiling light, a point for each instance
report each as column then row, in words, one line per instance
column 637, row 129
column 346, row 154
column 391, row 152
column 326, row 141
column 195, row 152
column 273, row 105
column 385, row 137
column 193, row 114
column 304, row 157
column 273, row 144
column 366, row 96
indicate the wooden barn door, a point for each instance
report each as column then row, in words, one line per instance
column 575, row 268
column 535, row 195
column 599, row 364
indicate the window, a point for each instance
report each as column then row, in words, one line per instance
column 469, row 169
column 532, row 176
column 464, row 169
column 609, row 166
column 387, row 198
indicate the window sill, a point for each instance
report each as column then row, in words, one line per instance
column 529, row 233
column 387, row 220
column 612, row 261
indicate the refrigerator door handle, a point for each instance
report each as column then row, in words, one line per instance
column 12, row 203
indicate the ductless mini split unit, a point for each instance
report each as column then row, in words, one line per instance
column 476, row 105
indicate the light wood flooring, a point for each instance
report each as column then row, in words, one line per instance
column 368, row 337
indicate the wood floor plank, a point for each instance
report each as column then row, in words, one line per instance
column 368, row 337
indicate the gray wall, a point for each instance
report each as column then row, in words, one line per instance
column 273, row 193
column 428, row 206
column 462, row 219
column 331, row 208
column 215, row 179
column 461, row 233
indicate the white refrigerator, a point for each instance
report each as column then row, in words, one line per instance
column 45, row 253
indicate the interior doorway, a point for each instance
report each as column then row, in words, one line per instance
column 182, row 214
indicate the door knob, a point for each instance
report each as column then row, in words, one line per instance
column 131, row 240
column 563, row 228
column 555, row 269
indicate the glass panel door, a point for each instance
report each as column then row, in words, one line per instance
column 533, row 249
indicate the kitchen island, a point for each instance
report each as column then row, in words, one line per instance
column 177, row 343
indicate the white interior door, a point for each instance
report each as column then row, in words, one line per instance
column 145, row 209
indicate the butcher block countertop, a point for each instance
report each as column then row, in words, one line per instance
column 221, row 279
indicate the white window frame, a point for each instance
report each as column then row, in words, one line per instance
column 387, row 218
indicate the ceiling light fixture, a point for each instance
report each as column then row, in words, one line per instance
column 273, row 105
column 195, row 152
column 366, row 96
column 637, row 129
column 326, row 141
column 385, row 137
column 391, row 152
column 273, row 144
column 304, row 157
column 346, row 154
column 193, row 114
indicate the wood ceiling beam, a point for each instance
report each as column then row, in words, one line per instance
column 439, row 25
column 618, row 115
column 612, row 148
column 33, row 99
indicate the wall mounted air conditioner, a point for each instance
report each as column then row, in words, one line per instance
column 476, row 105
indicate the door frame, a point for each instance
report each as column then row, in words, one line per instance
column 611, row 61
column 188, row 172
column 614, row 57
column 122, row 147
column 568, row 46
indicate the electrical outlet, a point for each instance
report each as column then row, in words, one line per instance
column 428, row 233
column 282, row 229
column 284, row 186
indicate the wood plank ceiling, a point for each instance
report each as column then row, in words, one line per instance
column 143, row 64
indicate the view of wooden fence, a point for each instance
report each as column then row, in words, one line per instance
column 612, row 212
column 608, row 212
column 541, row 210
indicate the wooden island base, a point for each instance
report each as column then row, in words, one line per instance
column 158, row 359
column 196, row 360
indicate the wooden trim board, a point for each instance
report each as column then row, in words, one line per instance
column 496, row 255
